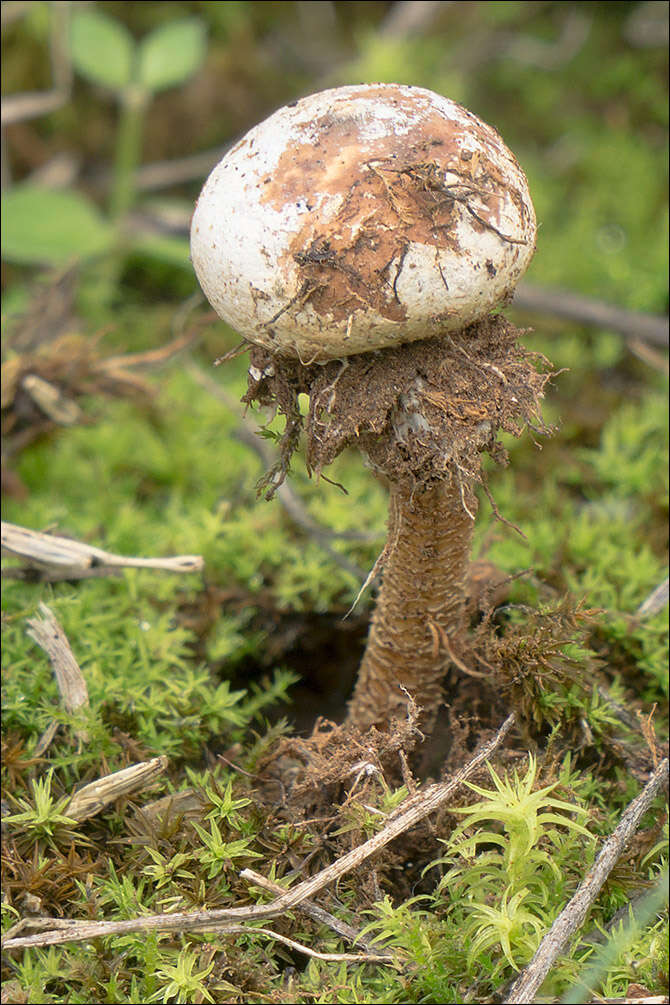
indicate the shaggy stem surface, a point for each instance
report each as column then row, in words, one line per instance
column 420, row 614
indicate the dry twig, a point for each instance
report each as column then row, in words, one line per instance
column 317, row 913
column 19, row 107
column 77, row 560
column 595, row 313
column 409, row 813
column 406, row 19
column 633, row 1000
column 573, row 914
column 292, row 944
column 50, row 637
column 655, row 602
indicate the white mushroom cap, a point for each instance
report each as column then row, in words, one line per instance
column 359, row 218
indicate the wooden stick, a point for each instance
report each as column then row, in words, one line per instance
column 301, row 948
column 315, row 912
column 50, row 637
column 656, row 600
column 593, row 313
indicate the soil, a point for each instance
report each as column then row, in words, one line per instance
column 464, row 389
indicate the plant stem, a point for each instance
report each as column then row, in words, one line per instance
column 420, row 612
column 134, row 101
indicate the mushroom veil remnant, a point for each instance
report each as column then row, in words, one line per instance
column 360, row 239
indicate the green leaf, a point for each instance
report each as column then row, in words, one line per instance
column 164, row 248
column 171, row 54
column 50, row 226
column 103, row 49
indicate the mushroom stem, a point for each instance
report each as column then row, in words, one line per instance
column 420, row 614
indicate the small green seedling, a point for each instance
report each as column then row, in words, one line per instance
column 44, row 816
column 43, row 226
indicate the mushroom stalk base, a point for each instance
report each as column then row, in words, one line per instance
column 420, row 614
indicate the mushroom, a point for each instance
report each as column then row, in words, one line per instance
column 360, row 239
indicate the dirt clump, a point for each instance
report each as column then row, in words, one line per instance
column 415, row 411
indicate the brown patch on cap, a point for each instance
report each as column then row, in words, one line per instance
column 393, row 191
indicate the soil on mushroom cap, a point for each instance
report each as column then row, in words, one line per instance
column 397, row 190
column 413, row 205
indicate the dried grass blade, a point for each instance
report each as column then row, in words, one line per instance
column 93, row 798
